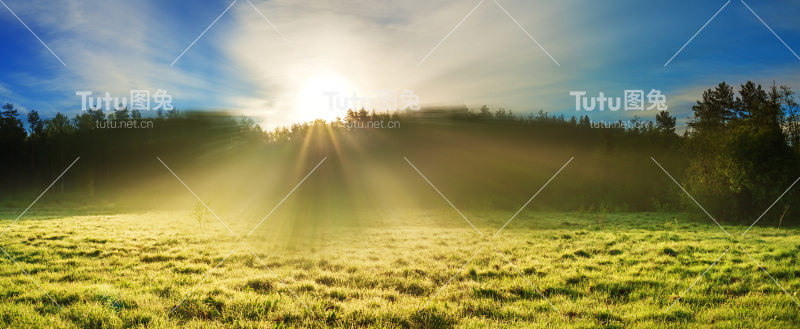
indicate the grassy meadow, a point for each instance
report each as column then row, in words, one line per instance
column 113, row 269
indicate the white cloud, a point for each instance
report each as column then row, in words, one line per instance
column 243, row 64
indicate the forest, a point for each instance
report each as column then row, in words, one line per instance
column 738, row 153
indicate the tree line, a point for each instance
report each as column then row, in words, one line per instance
column 738, row 153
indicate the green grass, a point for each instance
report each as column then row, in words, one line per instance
column 126, row 270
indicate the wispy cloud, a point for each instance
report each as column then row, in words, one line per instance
column 244, row 64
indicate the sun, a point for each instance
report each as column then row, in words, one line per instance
column 317, row 98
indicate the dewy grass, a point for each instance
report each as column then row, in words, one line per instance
column 129, row 270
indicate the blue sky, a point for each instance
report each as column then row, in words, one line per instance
column 244, row 64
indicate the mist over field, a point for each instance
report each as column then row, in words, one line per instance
column 496, row 164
